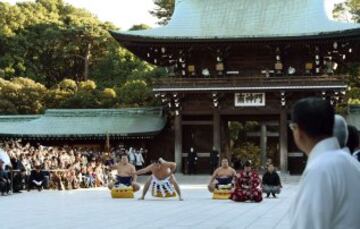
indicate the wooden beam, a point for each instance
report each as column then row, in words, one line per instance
column 197, row 123
column 268, row 134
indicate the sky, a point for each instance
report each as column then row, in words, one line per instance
column 126, row 13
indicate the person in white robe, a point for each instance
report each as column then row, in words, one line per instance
column 328, row 194
column 5, row 158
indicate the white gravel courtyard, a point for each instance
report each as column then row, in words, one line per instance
column 96, row 209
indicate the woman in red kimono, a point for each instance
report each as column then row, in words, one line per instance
column 247, row 185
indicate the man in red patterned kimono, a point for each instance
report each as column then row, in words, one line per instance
column 247, row 185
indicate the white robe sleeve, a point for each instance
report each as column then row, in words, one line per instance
column 314, row 205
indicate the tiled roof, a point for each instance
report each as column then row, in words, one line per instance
column 245, row 19
column 86, row 122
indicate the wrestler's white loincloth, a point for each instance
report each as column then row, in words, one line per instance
column 162, row 188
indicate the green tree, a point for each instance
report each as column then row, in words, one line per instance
column 139, row 27
column 248, row 151
column 353, row 93
column 163, row 10
column 88, row 85
column 135, row 93
column 22, row 96
column 49, row 40
column 108, row 98
column 349, row 10
column 117, row 67
column 67, row 85
column 59, row 93
column 72, row 55
column 342, row 12
column 109, row 93
column 87, row 96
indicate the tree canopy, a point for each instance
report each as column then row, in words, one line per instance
column 350, row 11
column 139, row 27
column 163, row 10
column 53, row 55
column 49, row 40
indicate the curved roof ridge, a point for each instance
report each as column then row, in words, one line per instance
column 89, row 122
column 218, row 19
column 102, row 112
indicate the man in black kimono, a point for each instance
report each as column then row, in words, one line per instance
column 37, row 178
column 271, row 182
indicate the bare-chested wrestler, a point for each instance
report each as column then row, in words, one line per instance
column 126, row 174
column 162, row 175
column 224, row 175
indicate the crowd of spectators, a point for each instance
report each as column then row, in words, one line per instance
column 63, row 168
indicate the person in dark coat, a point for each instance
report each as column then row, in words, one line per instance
column 37, row 178
column 19, row 173
column 271, row 182
column 192, row 161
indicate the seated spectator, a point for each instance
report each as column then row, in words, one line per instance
column 19, row 173
column 106, row 159
column 27, row 166
column 88, row 178
column 64, row 167
column 271, row 182
column 247, row 185
column 46, row 172
column 56, row 181
column 37, row 178
column 72, row 181
column 4, row 180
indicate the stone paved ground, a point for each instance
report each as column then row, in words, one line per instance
column 95, row 209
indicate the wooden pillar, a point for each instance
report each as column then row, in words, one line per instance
column 178, row 143
column 263, row 143
column 283, row 141
column 216, row 131
column 225, row 139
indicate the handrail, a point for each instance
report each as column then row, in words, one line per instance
column 258, row 81
column 255, row 77
column 248, row 78
column 47, row 170
column 12, row 171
